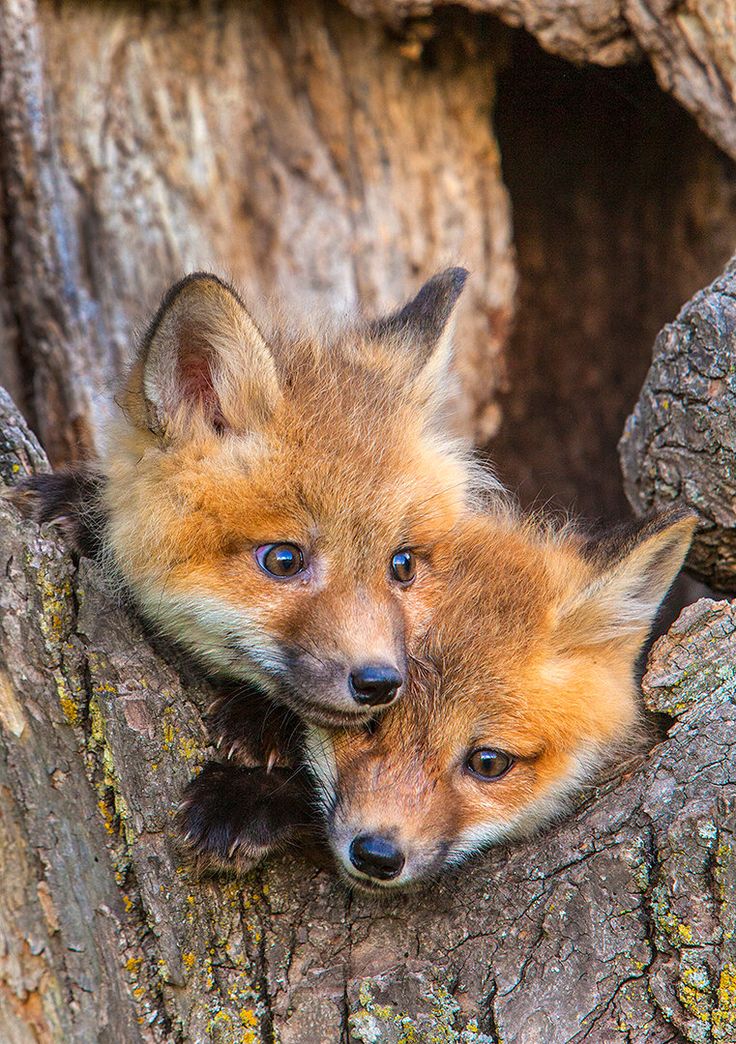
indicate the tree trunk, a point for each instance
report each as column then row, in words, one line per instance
column 619, row 923
column 680, row 441
column 337, row 158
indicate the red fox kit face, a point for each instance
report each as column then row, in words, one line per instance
column 523, row 685
column 275, row 503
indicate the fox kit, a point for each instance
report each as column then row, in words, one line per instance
column 522, row 687
column 273, row 501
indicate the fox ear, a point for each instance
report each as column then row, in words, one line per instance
column 424, row 326
column 202, row 358
column 636, row 570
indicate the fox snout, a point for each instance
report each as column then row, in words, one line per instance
column 335, row 694
column 346, row 655
column 375, row 685
column 378, row 853
column 379, row 858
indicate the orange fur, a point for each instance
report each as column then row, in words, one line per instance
column 232, row 439
column 532, row 652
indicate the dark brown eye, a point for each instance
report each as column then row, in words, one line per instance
column 281, row 560
column 486, row 763
column 404, row 567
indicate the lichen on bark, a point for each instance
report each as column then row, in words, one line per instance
column 618, row 921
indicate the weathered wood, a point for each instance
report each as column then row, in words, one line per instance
column 292, row 147
column 614, row 920
column 624, row 217
column 327, row 160
column 678, row 443
column 691, row 45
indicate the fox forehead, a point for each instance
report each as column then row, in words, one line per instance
column 366, row 485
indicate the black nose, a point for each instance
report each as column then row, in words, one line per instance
column 376, row 856
column 375, row 685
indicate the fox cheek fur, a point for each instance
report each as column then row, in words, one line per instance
column 523, row 688
column 232, row 442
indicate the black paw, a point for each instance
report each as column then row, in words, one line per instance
column 250, row 730
column 69, row 500
column 232, row 817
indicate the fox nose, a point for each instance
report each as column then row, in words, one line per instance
column 374, row 686
column 376, row 856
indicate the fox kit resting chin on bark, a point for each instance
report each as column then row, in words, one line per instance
column 522, row 687
column 273, row 501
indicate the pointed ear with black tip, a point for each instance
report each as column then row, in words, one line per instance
column 203, row 361
column 636, row 570
column 423, row 328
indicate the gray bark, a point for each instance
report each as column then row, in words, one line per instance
column 293, row 145
column 618, row 924
column 679, row 442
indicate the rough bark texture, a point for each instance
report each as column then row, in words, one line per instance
column 294, row 146
column 691, row 45
column 291, row 146
column 679, row 443
column 618, row 924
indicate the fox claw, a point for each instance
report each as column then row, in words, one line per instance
column 233, row 817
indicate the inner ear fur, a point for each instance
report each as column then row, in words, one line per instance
column 203, row 359
column 633, row 571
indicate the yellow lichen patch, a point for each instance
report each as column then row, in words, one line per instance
column 723, row 1017
column 693, row 991
column 375, row 1022
column 248, row 1017
column 188, row 959
column 96, row 722
column 68, row 707
column 188, row 748
column 676, row 931
column 169, row 731
column 133, row 965
column 107, row 816
column 55, row 606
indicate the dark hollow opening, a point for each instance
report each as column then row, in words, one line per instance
column 622, row 210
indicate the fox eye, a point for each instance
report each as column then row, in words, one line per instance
column 486, row 763
column 281, row 560
column 404, row 566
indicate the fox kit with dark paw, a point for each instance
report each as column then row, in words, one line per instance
column 273, row 501
column 524, row 685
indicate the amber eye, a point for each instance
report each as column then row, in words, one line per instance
column 281, row 560
column 486, row 763
column 404, row 567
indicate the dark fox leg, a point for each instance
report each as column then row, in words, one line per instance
column 68, row 499
column 261, row 799
column 232, row 817
column 250, row 730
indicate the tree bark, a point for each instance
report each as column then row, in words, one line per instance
column 290, row 146
column 296, row 146
column 618, row 924
column 690, row 45
column 679, row 443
